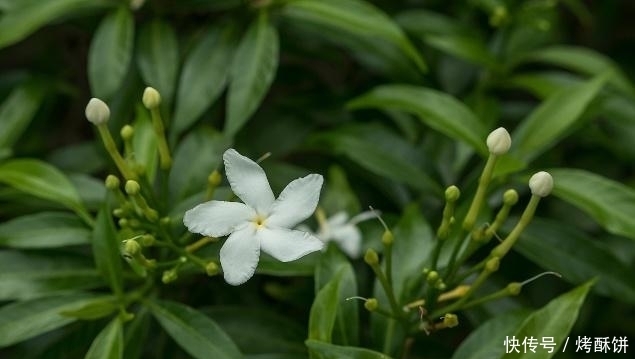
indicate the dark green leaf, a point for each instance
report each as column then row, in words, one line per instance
column 550, row 244
column 110, row 53
column 21, row 21
column 44, row 230
column 301, row 267
column 95, row 309
column 338, row 194
column 324, row 309
column 355, row 17
column 42, row 180
column 196, row 333
column 26, row 275
column 254, row 67
column 158, row 58
column 553, row 320
column 610, row 203
column 204, row 76
column 436, row 109
column 17, row 111
column 330, row 351
column 144, row 142
column 24, row 320
column 90, row 189
column 206, row 147
column 550, row 121
column 109, row 342
column 106, row 251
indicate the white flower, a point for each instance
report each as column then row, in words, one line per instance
column 499, row 141
column 343, row 231
column 97, row 111
column 541, row 184
column 262, row 222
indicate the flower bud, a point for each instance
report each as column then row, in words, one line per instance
column 450, row 320
column 112, row 182
column 212, row 269
column 132, row 187
column 131, row 247
column 214, row 179
column 492, row 264
column 499, row 141
column 514, row 288
column 151, row 98
column 97, row 112
column 371, row 304
column 371, row 257
column 432, row 276
column 452, row 194
column 510, row 197
column 541, row 184
column 387, row 238
column 169, row 276
column 127, row 132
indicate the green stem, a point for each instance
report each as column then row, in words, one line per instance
column 111, row 148
column 479, row 197
column 164, row 151
column 388, row 290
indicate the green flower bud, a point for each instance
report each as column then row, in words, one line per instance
column 148, row 240
column 371, row 257
column 214, row 179
column 510, row 197
column 499, row 141
column 541, row 184
column 131, row 248
column 371, row 304
column 432, row 276
column 151, row 98
column 387, row 238
column 127, row 132
column 97, row 112
column 169, row 276
column 212, row 269
column 112, row 182
column 492, row 264
column 450, row 320
column 514, row 288
column 452, row 194
column 132, row 187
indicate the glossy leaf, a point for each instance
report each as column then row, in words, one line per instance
column 330, row 351
column 27, row 275
column 17, row 111
column 97, row 308
column 254, row 67
column 110, row 53
column 41, row 180
column 158, row 58
column 196, row 333
column 106, row 251
column 109, row 342
column 206, row 147
column 550, row 244
column 550, row 121
column 553, row 320
column 355, row 17
column 21, row 21
column 583, row 60
column 436, row 109
column 486, row 341
column 610, row 203
column 324, row 309
column 346, row 327
column 204, row 76
column 144, row 142
column 44, row 230
column 24, row 320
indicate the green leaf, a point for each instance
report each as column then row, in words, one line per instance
column 109, row 342
column 21, row 21
column 144, row 142
column 158, row 58
column 436, row 109
column 550, row 121
column 582, row 60
column 252, row 72
column 486, row 341
column 24, row 320
column 375, row 159
column 346, row 329
column 185, row 179
column 41, row 180
column 44, row 230
column 354, row 17
column 302, row 267
column 553, row 320
column 97, row 308
column 338, row 195
column 204, row 76
column 106, row 251
column 196, row 333
column 610, row 203
column 33, row 274
column 330, row 351
column 550, row 244
column 324, row 309
column 17, row 111
column 110, row 53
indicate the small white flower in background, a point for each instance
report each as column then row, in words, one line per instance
column 343, row 231
column 262, row 222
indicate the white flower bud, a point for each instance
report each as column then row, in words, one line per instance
column 97, row 111
column 151, row 98
column 499, row 141
column 541, row 184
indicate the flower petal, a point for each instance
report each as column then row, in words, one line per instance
column 248, row 181
column 239, row 255
column 349, row 239
column 296, row 202
column 287, row 244
column 217, row 218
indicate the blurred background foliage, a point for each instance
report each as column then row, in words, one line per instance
column 331, row 87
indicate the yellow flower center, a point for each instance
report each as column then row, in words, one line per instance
column 259, row 221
